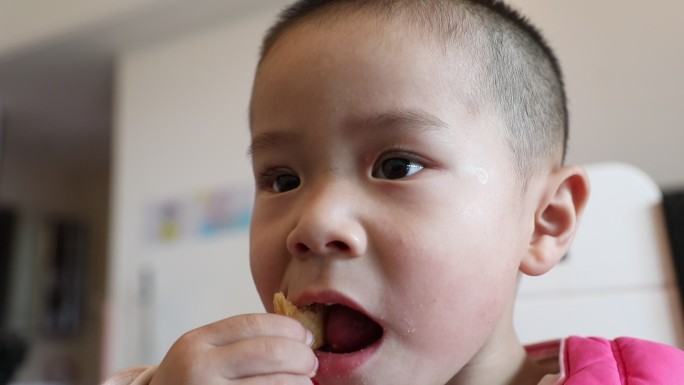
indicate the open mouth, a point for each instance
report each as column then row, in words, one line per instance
column 337, row 329
column 348, row 331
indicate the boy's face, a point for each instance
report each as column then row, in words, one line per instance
column 382, row 187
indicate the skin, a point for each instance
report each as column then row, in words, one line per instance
column 432, row 254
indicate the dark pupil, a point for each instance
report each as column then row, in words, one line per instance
column 395, row 168
column 286, row 183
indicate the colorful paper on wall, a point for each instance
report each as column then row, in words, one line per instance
column 206, row 213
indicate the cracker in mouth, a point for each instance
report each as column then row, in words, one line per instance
column 312, row 316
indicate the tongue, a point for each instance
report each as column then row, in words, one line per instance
column 348, row 330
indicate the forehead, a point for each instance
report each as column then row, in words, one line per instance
column 355, row 58
column 357, row 39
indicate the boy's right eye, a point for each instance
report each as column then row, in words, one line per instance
column 285, row 182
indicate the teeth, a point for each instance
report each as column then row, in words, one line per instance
column 312, row 316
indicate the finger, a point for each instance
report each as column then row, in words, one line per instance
column 247, row 326
column 277, row 379
column 264, row 356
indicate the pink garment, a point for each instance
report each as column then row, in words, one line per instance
column 623, row 361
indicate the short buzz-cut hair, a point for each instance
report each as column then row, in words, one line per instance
column 515, row 74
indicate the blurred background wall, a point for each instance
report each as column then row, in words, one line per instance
column 131, row 117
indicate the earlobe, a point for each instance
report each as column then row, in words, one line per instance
column 556, row 219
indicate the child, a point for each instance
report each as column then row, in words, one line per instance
column 408, row 157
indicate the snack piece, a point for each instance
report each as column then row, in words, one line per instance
column 312, row 316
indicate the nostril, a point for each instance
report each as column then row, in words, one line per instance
column 301, row 248
column 339, row 245
column 334, row 246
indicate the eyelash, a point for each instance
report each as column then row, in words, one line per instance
column 400, row 152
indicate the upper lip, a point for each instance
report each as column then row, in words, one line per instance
column 328, row 297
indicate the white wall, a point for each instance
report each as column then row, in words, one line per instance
column 181, row 126
column 623, row 65
column 24, row 24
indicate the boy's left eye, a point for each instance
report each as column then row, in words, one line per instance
column 396, row 168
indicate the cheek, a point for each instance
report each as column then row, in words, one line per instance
column 266, row 262
column 450, row 312
column 455, row 279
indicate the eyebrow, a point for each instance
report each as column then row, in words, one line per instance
column 268, row 140
column 405, row 118
column 395, row 119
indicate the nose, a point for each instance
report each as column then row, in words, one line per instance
column 328, row 225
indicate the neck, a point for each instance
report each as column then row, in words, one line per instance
column 501, row 361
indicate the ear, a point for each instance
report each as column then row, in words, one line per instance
column 556, row 219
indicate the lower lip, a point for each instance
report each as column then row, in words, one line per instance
column 344, row 365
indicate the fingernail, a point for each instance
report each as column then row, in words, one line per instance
column 309, row 337
column 315, row 369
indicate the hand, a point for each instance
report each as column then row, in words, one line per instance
column 253, row 349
